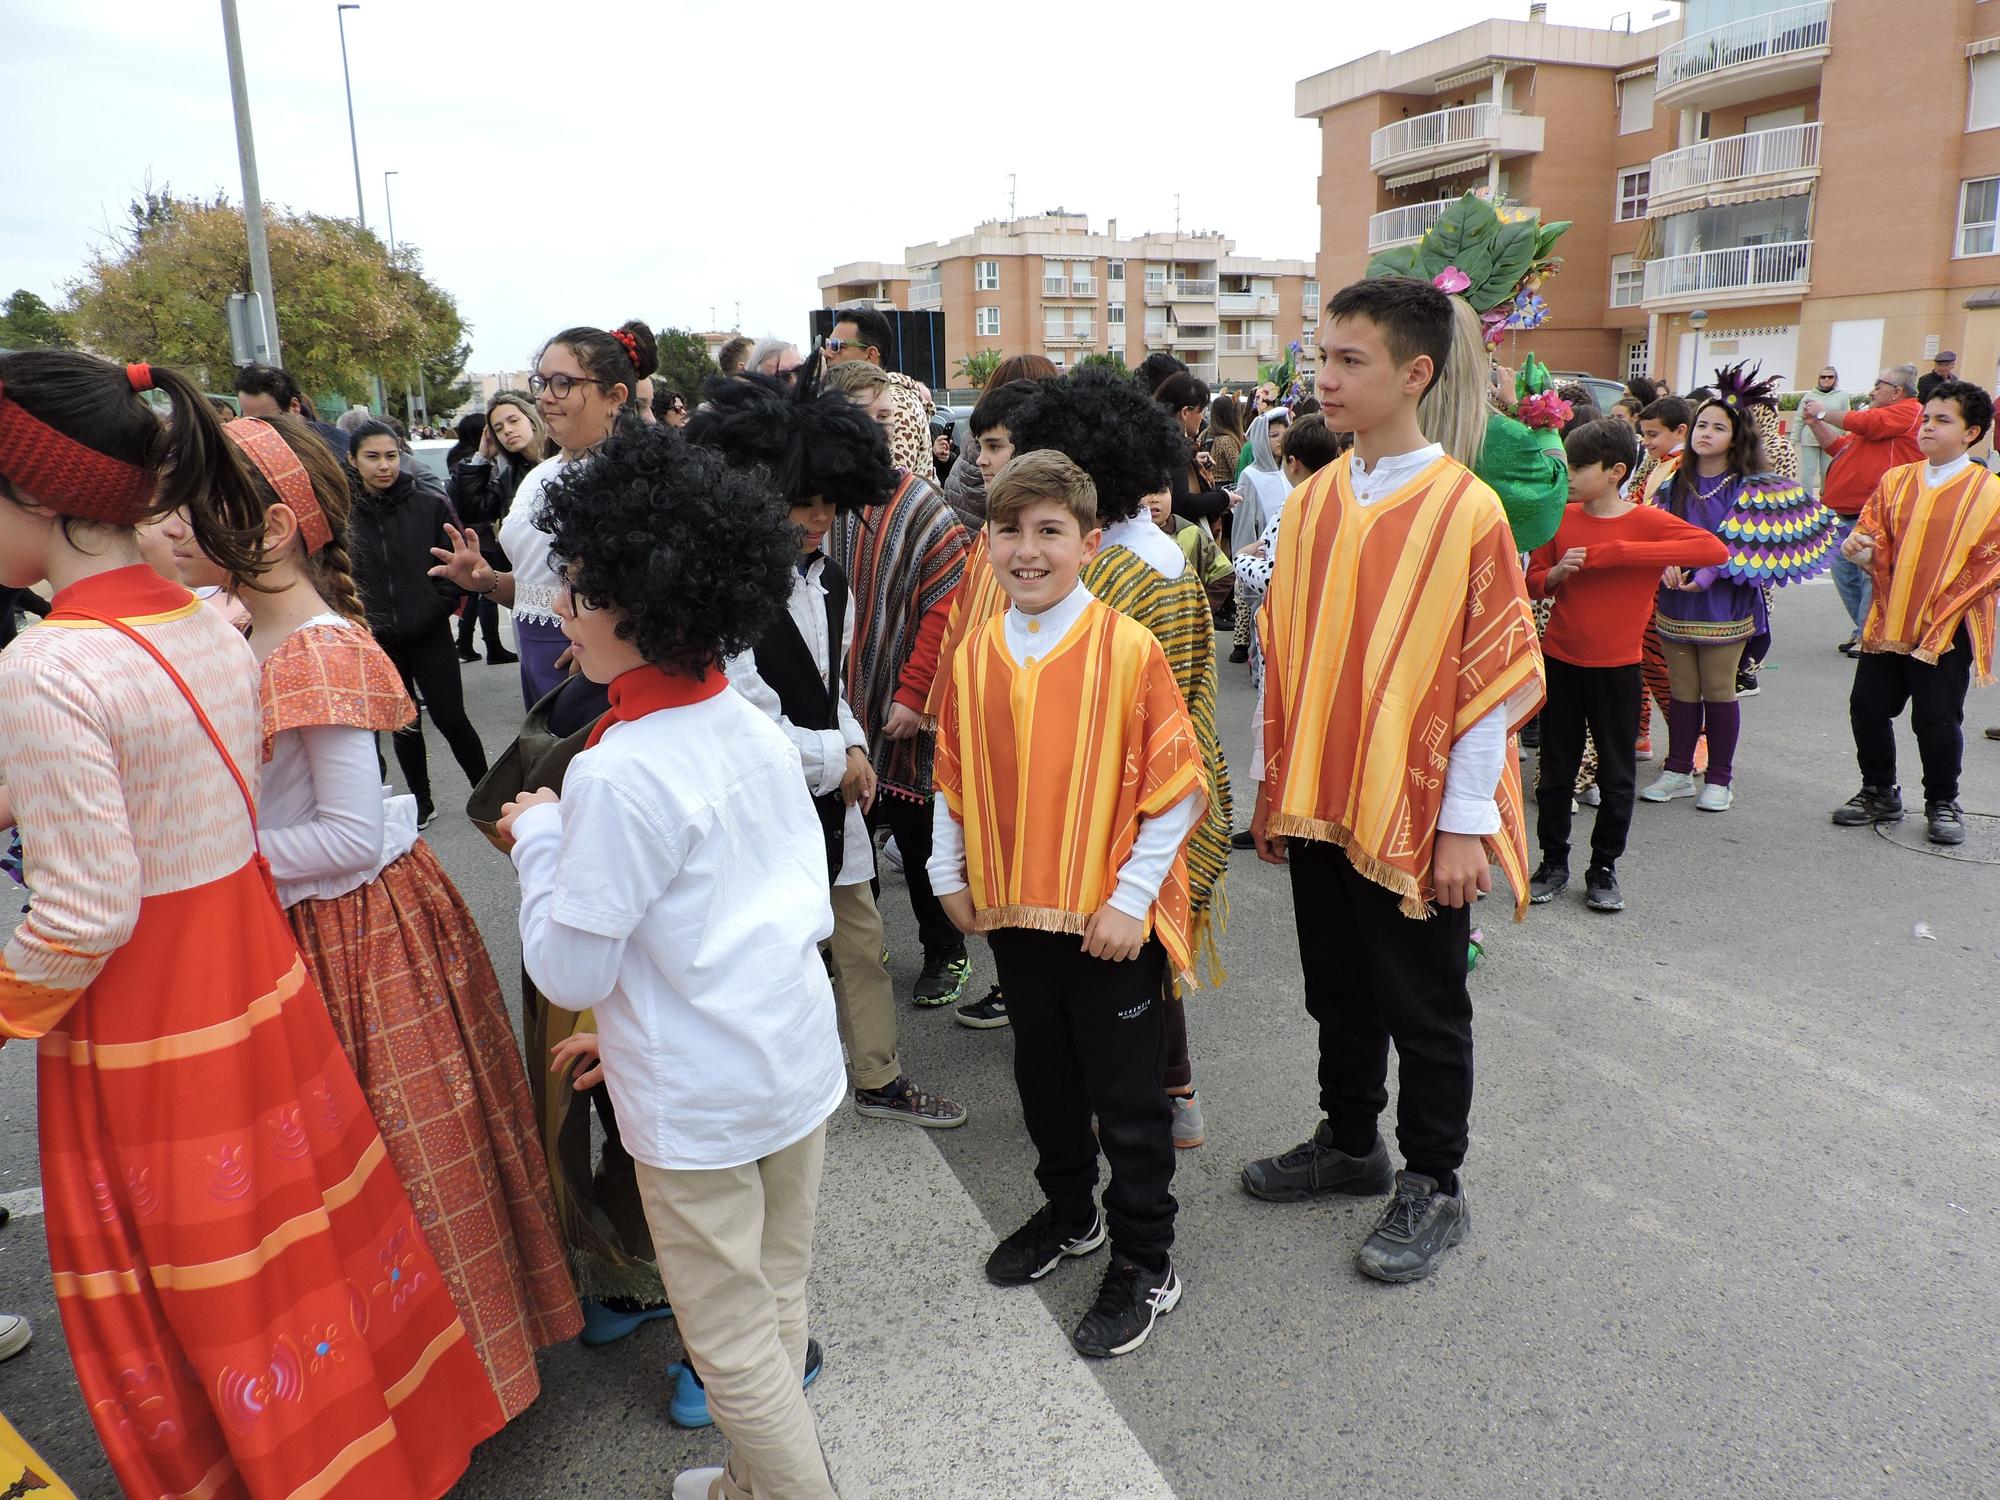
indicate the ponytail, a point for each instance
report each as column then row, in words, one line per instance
column 203, row 474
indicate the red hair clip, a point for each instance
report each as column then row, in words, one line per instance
column 141, row 377
column 631, row 344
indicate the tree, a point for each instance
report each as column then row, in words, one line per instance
column 1106, row 361
column 27, row 322
column 345, row 311
column 976, row 368
column 684, row 362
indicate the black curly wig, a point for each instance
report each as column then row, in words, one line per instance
column 697, row 556
column 806, row 445
column 1111, row 429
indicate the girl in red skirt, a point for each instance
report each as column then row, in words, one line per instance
column 249, row 1301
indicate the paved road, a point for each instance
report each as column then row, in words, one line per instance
column 1734, row 1181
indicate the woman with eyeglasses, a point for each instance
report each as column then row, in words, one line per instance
column 511, row 441
column 585, row 381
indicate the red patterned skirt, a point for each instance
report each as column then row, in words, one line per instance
column 251, row 1307
column 419, row 1012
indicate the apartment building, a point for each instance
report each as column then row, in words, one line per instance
column 1049, row 285
column 1799, row 184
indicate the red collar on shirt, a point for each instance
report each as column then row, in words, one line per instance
column 134, row 593
column 648, row 689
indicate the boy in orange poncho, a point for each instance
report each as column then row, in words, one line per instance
column 1400, row 657
column 1929, row 539
column 1066, row 696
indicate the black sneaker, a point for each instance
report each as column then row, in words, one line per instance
column 984, row 1014
column 426, row 813
column 1872, row 804
column 1128, row 1303
column 1947, row 823
column 903, row 1100
column 1314, row 1167
column 1239, row 654
column 1746, row 684
column 943, row 978
column 500, row 656
column 1600, row 889
column 1244, row 840
column 1547, row 883
column 466, row 653
column 1531, row 734
column 1039, row 1246
column 1416, row 1229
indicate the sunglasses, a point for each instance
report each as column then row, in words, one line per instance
column 834, row 346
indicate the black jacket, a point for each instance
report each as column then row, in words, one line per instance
column 390, row 539
column 482, row 492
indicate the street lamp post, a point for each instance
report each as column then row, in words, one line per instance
column 354, row 144
column 253, row 198
column 389, row 207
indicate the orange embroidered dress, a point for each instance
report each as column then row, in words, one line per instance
column 1936, row 564
column 418, row 1010
column 250, row 1305
column 1390, row 630
column 1050, row 766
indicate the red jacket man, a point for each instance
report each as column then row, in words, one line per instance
column 1870, row 442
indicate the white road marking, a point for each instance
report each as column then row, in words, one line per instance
column 24, row 1204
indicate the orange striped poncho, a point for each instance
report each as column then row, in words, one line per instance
column 1936, row 564
column 1389, row 630
column 1051, row 765
column 978, row 600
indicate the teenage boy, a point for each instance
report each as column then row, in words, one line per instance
column 678, row 890
column 1602, row 570
column 1400, row 656
column 1663, row 430
column 1070, row 780
column 1929, row 539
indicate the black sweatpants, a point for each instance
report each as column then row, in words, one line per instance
column 1886, row 680
column 1604, row 700
column 429, row 665
column 1372, row 976
column 910, row 822
column 1090, row 1038
column 483, row 613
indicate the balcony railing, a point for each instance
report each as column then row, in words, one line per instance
column 1082, row 333
column 1156, row 294
column 1192, row 291
column 1205, row 373
column 1248, row 305
column 1466, row 125
column 1799, row 28
column 925, row 294
column 1190, row 338
column 1264, row 346
column 1083, row 286
column 1744, row 268
column 1399, row 226
column 1791, row 149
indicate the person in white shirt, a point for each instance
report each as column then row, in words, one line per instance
column 678, row 888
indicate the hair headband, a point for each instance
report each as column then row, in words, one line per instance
column 275, row 460
column 66, row 476
column 631, row 344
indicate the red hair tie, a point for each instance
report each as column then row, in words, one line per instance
column 141, row 377
column 66, row 476
column 631, row 344
column 275, row 460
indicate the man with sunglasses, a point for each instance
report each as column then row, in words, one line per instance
column 1862, row 446
column 858, row 333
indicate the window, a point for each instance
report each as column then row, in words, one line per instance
column 1635, row 104
column 986, row 278
column 1080, row 282
column 986, row 320
column 1114, row 270
column 1114, row 314
column 1978, row 209
column 1311, row 297
column 1638, row 355
column 1052, row 324
column 1156, row 278
column 1054, row 282
column 1627, row 281
column 1982, row 109
column 1633, row 187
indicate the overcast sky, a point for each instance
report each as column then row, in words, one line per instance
column 588, row 162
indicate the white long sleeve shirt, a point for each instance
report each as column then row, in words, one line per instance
column 1159, row 838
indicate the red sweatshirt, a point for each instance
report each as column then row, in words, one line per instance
column 1601, row 610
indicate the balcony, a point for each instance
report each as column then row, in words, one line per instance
column 1083, row 333
column 1207, row 373
column 1785, row 154
column 925, row 294
column 1446, row 135
column 1745, row 273
column 1189, row 338
column 1248, row 305
column 1748, row 59
column 1191, row 291
column 1263, row 345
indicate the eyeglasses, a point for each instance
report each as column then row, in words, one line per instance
column 558, row 386
column 834, row 346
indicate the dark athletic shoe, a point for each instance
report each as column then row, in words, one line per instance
column 1314, row 1168
column 500, row 656
column 1547, row 883
column 1746, row 684
column 1416, row 1229
column 466, row 653
column 1600, row 889
column 903, row 1100
column 1947, row 823
column 1039, row 1246
column 1239, row 654
column 1872, row 804
column 943, row 978
column 984, row 1014
column 1129, row 1302
column 1244, row 840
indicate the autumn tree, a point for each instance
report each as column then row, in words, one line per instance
column 684, row 362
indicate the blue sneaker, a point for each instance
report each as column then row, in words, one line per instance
column 604, row 1324
column 689, row 1405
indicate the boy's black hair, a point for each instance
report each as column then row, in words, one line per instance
column 1414, row 316
column 1605, row 441
column 1111, row 429
column 803, row 446
column 873, row 328
column 1312, row 443
column 997, row 407
column 269, row 380
column 1155, row 368
column 1581, row 414
column 1975, row 406
column 1182, row 390
column 1670, row 412
column 695, row 554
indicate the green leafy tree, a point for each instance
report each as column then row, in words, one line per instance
column 1104, row 361
column 684, row 362
column 27, row 322
column 976, row 368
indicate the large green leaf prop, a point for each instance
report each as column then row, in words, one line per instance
column 1495, row 252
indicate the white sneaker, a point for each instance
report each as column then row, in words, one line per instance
column 1715, row 798
column 695, row 1484
column 1590, row 796
column 892, row 856
column 1671, row 784
column 14, row 1334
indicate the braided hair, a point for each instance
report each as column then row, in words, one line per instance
column 330, row 570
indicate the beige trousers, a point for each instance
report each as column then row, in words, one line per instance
column 734, row 1246
column 864, row 999
column 1701, row 673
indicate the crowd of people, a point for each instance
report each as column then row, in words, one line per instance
column 311, row 1207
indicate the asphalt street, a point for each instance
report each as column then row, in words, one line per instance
column 1734, row 1183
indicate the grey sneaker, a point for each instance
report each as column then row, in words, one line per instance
column 1600, row 889
column 1946, row 825
column 1872, row 804
column 1189, row 1131
column 1415, row 1230
column 1316, row 1167
column 1547, row 883
column 903, row 1100
column 1668, row 786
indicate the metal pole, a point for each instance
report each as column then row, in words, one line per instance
column 389, row 206
column 253, row 200
column 353, row 142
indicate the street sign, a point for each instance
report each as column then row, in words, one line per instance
column 247, row 339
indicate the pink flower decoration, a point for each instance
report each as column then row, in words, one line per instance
column 1451, row 279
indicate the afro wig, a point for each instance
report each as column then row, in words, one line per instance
column 806, row 445
column 1114, row 432
column 696, row 555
